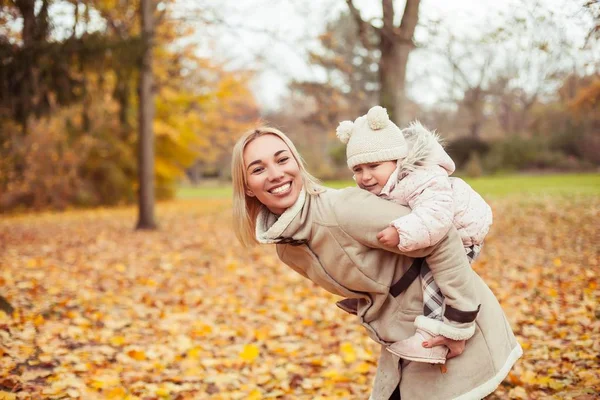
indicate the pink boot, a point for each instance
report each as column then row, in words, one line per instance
column 412, row 349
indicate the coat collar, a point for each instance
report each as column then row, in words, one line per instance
column 270, row 227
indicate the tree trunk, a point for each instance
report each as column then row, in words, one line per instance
column 194, row 173
column 146, row 115
column 395, row 45
column 388, row 94
column 392, row 77
column 85, row 115
column 475, row 129
column 28, row 87
column 121, row 95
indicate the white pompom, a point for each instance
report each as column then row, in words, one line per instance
column 378, row 117
column 344, row 131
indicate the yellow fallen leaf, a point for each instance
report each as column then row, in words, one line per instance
column 255, row 395
column 261, row 333
column 39, row 320
column 556, row 385
column 117, row 340
column 528, row 377
column 54, row 290
column 201, row 330
column 194, row 352
column 331, row 373
column 116, row 393
column 557, row 262
column 7, row 396
column 249, row 353
column 543, row 381
column 335, row 376
column 232, row 266
column 348, row 352
column 162, row 392
column 137, row 355
column 105, row 381
column 363, row 368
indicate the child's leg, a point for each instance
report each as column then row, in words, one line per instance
column 433, row 299
column 412, row 348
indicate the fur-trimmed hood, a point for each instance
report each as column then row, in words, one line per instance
column 424, row 149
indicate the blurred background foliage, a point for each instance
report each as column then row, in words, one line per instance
column 514, row 95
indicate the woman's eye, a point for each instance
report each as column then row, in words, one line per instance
column 257, row 170
column 374, row 166
column 283, row 159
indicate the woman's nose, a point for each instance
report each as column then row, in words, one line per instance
column 275, row 173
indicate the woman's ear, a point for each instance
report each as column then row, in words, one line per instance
column 249, row 193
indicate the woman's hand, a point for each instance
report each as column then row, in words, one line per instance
column 456, row 347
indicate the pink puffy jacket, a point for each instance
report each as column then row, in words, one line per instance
column 422, row 182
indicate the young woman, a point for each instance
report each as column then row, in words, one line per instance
column 330, row 237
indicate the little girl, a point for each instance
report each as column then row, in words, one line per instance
column 411, row 168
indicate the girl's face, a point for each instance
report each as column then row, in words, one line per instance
column 272, row 173
column 373, row 176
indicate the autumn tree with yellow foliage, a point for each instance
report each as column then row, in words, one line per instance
column 83, row 151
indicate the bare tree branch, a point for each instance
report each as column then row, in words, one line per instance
column 388, row 15
column 409, row 21
column 75, row 19
column 363, row 26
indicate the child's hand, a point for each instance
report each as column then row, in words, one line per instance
column 389, row 237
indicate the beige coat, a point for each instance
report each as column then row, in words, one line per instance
column 331, row 240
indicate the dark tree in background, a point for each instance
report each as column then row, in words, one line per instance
column 395, row 44
column 146, row 115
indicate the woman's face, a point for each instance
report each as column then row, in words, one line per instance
column 272, row 173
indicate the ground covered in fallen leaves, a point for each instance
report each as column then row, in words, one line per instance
column 102, row 311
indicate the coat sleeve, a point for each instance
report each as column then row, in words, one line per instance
column 430, row 199
column 446, row 259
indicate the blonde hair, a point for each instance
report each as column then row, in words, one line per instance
column 246, row 208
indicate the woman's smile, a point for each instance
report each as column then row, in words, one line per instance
column 281, row 190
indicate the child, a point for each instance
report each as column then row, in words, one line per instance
column 411, row 168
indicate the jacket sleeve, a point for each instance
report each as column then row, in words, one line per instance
column 430, row 199
column 446, row 259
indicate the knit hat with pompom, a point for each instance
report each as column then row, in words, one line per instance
column 372, row 138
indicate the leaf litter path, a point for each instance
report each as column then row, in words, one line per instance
column 185, row 313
